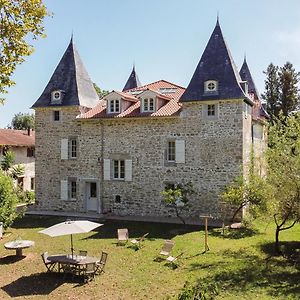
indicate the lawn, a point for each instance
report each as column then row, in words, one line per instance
column 240, row 263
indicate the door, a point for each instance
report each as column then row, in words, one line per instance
column 92, row 196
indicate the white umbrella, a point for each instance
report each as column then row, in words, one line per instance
column 70, row 227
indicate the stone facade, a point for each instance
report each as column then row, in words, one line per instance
column 113, row 155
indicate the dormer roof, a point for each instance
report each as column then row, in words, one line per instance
column 216, row 64
column 122, row 95
column 132, row 82
column 154, row 93
column 70, row 77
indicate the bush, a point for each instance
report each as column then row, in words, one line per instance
column 200, row 291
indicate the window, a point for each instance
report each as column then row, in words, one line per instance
column 171, row 151
column 32, row 183
column 114, row 106
column 211, row 109
column 210, row 86
column 93, row 190
column 73, row 148
column 56, row 115
column 56, row 97
column 73, row 189
column 30, row 152
column 119, row 169
column 148, row 104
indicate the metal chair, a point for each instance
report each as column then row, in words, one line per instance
column 101, row 264
column 49, row 264
column 83, row 253
column 89, row 272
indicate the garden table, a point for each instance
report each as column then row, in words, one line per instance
column 19, row 245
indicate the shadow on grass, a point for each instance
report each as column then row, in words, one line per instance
column 234, row 234
column 10, row 259
column 109, row 230
column 241, row 271
column 35, row 284
column 288, row 249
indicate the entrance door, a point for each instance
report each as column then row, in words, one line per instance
column 92, row 197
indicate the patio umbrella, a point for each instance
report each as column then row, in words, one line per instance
column 70, row 227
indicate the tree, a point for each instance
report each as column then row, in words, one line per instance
column 7, row 161
column 100, row 93
column 271, row 95
column 23, row 121
column 20, row 21
column 8, row 200
column 281, row 89
column 284, row 172
column 177, row 196
column 252, row 193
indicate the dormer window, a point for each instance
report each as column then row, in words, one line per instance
column 148, row 104
column 210, row 86
column 56, row 97
column 114, row 106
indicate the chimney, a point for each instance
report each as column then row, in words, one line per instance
column 28, row 131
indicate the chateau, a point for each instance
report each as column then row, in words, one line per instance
column 117, row 154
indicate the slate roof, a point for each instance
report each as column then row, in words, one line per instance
column 132, row 82
column 71, row 77
column 217, row 64
column 12, row 137
column 258, row 111
column 165, row 90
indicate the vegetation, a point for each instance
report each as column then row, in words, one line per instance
column 177, row 196
column 239, row 266
column 23, row 121
column 284, row 172
column 8, row 200
column 281, row 89
column 21, row 20
column 100, row 93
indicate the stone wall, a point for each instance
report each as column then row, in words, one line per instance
column 214, row 154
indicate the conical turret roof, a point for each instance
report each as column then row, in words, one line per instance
column 246, row 76
column 71, row 78
column 132, row 82
column 216, row 64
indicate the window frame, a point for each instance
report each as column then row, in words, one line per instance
column 209, row 83
column 56, row 115
column 148, row 104
column 72, row 189
column 73, row 148
column 171, row 151
column 211, row 110
column 113, row 105
column 118, row 169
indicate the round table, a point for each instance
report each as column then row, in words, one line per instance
column 19, row 245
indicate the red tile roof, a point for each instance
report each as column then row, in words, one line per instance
column 164, row 89
column 12, row 137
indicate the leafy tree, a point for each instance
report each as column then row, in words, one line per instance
column 8, row 200
column 20, row 20
column 23, row 121
column 100, row 93
column 284, row 172
column 281, row 89
column 253, row 193
column 7, row 161
column 177, row 196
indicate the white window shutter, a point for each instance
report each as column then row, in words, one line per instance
column 64, row 149
column 128, row 170
column 64, row 189
column 180, row 151
column 106, row 169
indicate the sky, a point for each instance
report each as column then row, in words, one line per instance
column 163, row 38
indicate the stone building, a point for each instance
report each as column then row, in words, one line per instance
column 22, row 144
column 117, row 154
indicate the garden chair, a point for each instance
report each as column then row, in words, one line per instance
column 49, row 265
column 167, row 248
column 172, row 259
column 89, row 272
column 101, row 264
column 122, row 236
column 83, row 253
column 138, row 241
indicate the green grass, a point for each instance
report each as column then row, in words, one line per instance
column 241, row 263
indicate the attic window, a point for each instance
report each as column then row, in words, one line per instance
column 114, row 106
column 56, row 97
column 210, row 86
column 148, row 105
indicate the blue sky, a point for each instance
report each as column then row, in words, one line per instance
column 165, row 39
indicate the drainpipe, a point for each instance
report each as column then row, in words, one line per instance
column 102, row 167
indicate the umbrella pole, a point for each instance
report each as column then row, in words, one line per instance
column 72, row 249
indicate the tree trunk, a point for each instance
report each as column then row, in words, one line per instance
column 277, row 249
column 178, row 216
column 236, row 212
